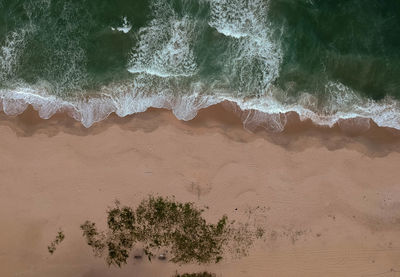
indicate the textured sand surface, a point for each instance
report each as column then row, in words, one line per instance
column 330, row 203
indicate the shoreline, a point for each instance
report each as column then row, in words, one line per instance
column 330, row 198
column 266, row 112
column 224, row 117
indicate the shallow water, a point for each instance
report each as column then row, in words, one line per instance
column 325, row 60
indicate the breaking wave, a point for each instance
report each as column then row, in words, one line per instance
column 183, row 56
column 266, row 111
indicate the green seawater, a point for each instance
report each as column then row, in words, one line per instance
column 324, row 59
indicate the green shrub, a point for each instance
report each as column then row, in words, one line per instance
column 53, row 245
column 157, row 223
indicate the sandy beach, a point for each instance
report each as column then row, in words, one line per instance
column 330, row 198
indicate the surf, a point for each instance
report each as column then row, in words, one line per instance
column 189, row 55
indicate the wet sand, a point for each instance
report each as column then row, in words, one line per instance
column 330, row 196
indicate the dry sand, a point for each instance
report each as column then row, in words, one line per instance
column 332, row 200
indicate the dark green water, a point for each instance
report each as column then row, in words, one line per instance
column 325, row 60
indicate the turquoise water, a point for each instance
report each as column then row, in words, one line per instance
column 325, row 60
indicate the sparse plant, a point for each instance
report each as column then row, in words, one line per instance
column 260, row 232
column 162, row 223
column 159, row 223
column 242, row 239
column 199, row 274
column 58, row 239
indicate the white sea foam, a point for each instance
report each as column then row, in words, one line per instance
column 265, row 111
column 10, row 52
column 164, row 52
column 164, row 47
column 125, row 28
column 238, row 18
column 123, row 99
column 337, row 108
column 254, row 57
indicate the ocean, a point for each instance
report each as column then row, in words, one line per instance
column 326, row 60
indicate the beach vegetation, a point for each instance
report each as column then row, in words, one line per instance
column 199, row 274
column 159, row 223
column 58, row 239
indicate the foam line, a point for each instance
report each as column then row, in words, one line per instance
column 131, row 100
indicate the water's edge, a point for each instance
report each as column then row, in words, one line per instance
column 263, row 112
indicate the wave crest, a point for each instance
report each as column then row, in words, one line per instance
column 164, row 47
column 266, row 112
